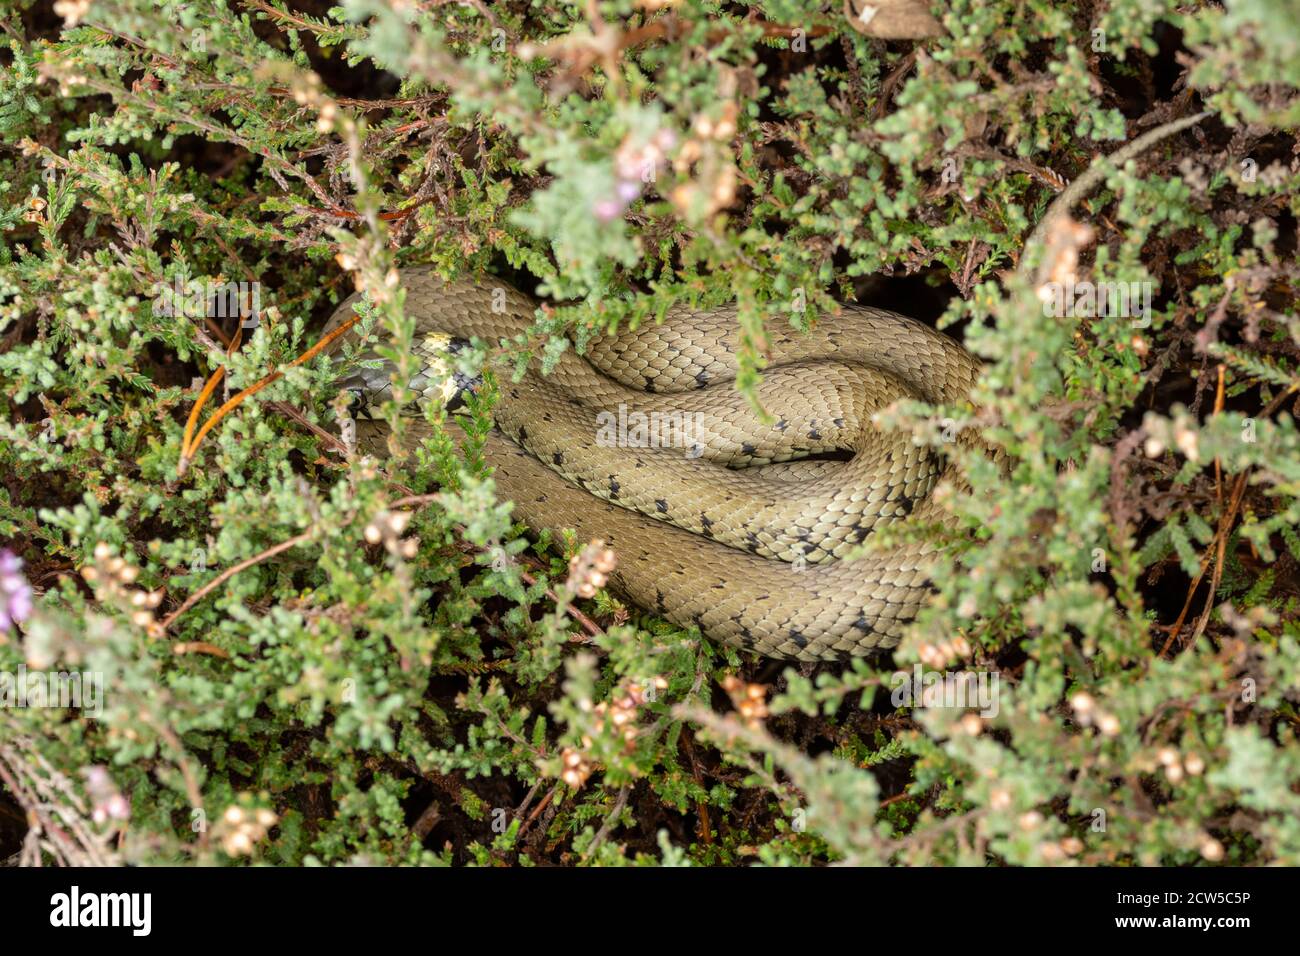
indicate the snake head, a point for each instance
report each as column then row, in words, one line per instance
column 444, row 375
column 440, row 378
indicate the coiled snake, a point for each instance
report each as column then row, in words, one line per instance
column 715, row 518
column 728, row 525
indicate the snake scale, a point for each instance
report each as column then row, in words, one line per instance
column 718, row 519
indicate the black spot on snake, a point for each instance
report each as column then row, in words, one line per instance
column 814, row 434
column 705, row 525
column 863, row 625
column 558, row 458
column 782, row 425
column 701, row 379
column 752, row 542
column 746, row 448
column 613, row 487
column 798, row 638
column 523, row 433
column 661, row 506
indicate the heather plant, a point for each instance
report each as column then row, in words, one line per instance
column 311, row 656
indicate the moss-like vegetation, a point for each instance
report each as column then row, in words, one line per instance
column 291, row 676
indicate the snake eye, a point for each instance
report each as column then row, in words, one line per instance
column 359, row 395
column 359, row 405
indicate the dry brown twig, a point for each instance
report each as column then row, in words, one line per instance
column 229, row 573
column 57, row 816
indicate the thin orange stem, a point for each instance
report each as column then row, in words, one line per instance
column 188, row 451
column 192, row 422
column 204, row 395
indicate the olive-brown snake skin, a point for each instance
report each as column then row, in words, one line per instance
column 720, row 526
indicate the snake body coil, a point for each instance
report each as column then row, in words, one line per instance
column 718, row 519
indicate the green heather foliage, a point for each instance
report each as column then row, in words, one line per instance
column 434, row 693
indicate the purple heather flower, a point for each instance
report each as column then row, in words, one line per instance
column 15, row 592
column 608, row 209
column 108, row 802
column 628, row 190
column 611, row 208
